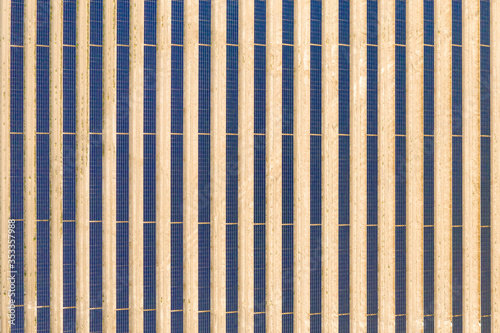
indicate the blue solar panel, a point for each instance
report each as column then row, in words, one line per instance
column 122, row 321
column 344, row 323
column 457, row 271
column 231, row 323
column 456, row 90
column 95, row 177
column 260, row 22
column 344, row 89
column 316, row 269
column 371, row 93
column 69, row 89
column 96, row 10
column 400, row 90
column 42, row 22
column 204, row 178
column 372, row 324
column 428, row 271
column 69, row 320
column 149, row 266
column 315, row 89
column 485, row 271
column 177, row 91
column 400, row 324
column 287, row 323
column 259, row 322
column 96, row 264
column 122, row 89
column 232, row 89
column 178, row 22
column 400, row 22
column 343, row 180
column 371, row 21
column 69, row 177
column 176, row 248
column 149, row 213
column 372, row 180
column 344, row 264
column 287, row 179
column 123, row 21
column 205, row 21
column 232, row 21
column 315, row 22
column 204, row 89
column 287, row 89
column 287, row 267
column 177, row 185
column 400, row 286
column 485, row 182
column 428, row 180
column 16, row 89
column 149, row 321
column 96, row 93
column 315, row 179
column 316, row 323
column 287, row 21
column 344, row 21
column 371, row 269
column 43, row 263
column 19, row 314
column 485, row 22
column 231, row 179
column 457, row 324
column 485, row 90
column 260, row 89
column 231, row 268
column 259, row 178
column 428, row 90
column 43, row 320
column 149, row 89
column 204, row 322
column 16, row 176
column 69, row 264
column 17, row 22
column 177, row 319
column 429, row 22
column 150, row 22
column 204, row 267
column 96, row 320
column 42, row 89
column 259, row 268
column 122, row 182
column 69, row 22
column 122, row 267
column 42, row 177
column 400, row 180
column 19, row 264
column 456, row 22
column 429, row 324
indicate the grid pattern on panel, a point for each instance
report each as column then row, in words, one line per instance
column 204, row 138
column 259, row 166
column 400, row 165
column 232, row 8
column 457, row 217
column 96, row 165
column 287, row 86
column 372, row 166
column 42, row 167
column 343, row 177
column 122, row 165
column 485, row 167
column 315, row 167
column 149, row 172
column 177, row 185
column 428, row 165
column 69, row 160
column 16, row 156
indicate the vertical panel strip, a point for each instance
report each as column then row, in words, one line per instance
column 219, row 166
column 231, row 190
column 330, row 165
column 390, row 103
column 272, row 127
column 190, row 142
column 30, row 164
column 358, row 177
column 414, row 170
column 495, row 167
column 246, row 162
column 163, row 77
column 109, row 165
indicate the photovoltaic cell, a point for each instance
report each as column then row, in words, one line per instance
column 456, row 7
column 371, row 270
column 69, row 265
column 343, row 180
column 204, row 90
column 344, row 323
column 372, row 180
column 69, row 177
column 122, row 185
column 343, row 274
column 149, row 89
column 16, row 22
column 42, row 89
column 287, row 179
column 372, row 324
column 95, row 177
column 344, row 21
column 96, row 92
column 150, row 321
column 400, row 180
column 69, row 89
column 177, row 90
column 150, row 22
column 43, row 263
column 96, row 320
column 203, row 178
column 232, row 89
column 287, row 89
column 316, row 323
column 204, row 322
column 371, row 21
column 205, row 21
column 457, row 272
column 485, row 22
column 16, row 177
column 315, row 180
column 122, row 270
column 123, row 19
column 232, row 21
column 232, row 323
column 456, row 90
column 177, row 22
column 287, row 268
column 231, row 179
column 16, row 89
column 259, row 269
column 149, row 209
column 315, row 22
column 400, row 324
column 287, row 323
column 259, row 88
column 177, row 272
column 69, row 22
column 231, row 270
column 122, row 321
column 428, row 90
column 428, row 275
column 485, row 90
column 400, row 99
column 315, row 269
column 344, row 91
column 149, row 267
column 259, row 322
column 401, row 22
column 400, row 285
column 95, row 265
column 42, row 178
column 177, row 319
column 203, row 267
column 177, row 185
column 19, row 264
column 43, row 319
column 122, row 89
column 96, row 12
column 260, row 22
column 259, row 179
column 287, row 22
column 429, row 22
column 485, row 182
column 372, row 82
column 42, row 22
column 428, row 180
column 315, row 89
column 69, row 320
column 457, row 324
